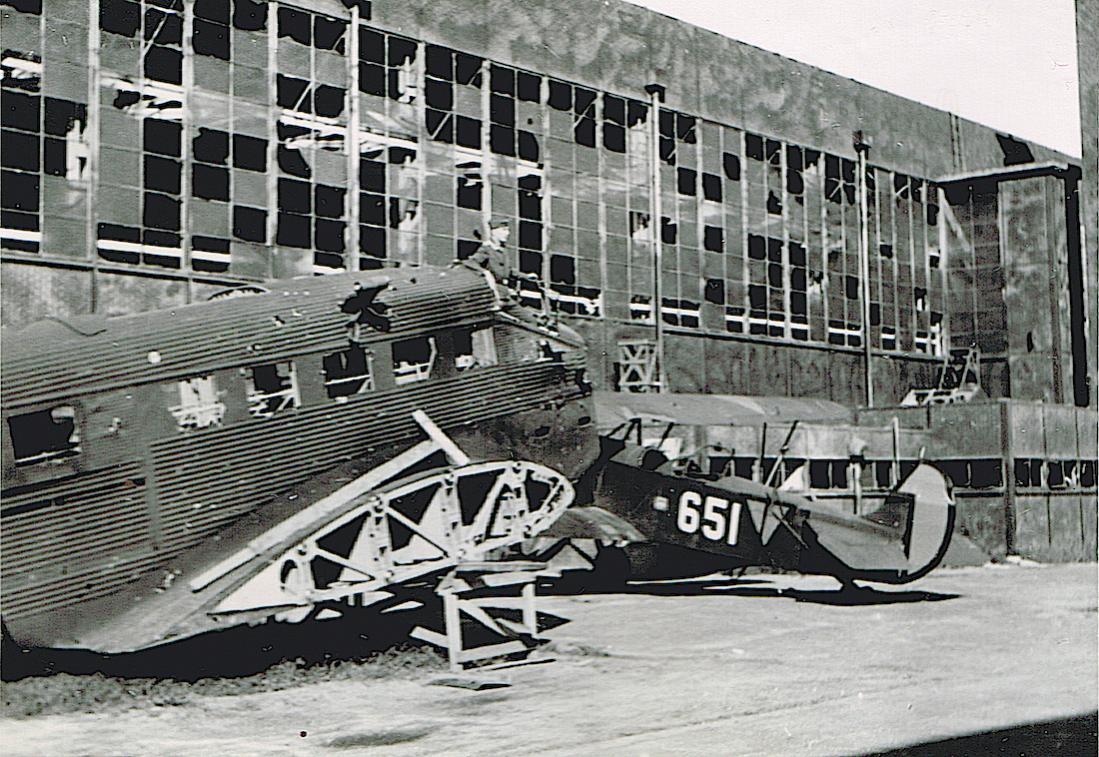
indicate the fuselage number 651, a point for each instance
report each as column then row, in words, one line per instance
column 714, row 517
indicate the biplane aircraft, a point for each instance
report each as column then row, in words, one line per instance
column 295, row 449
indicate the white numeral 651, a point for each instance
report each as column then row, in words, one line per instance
column 712, row 516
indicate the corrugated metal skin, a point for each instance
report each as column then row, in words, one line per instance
column 300, row 316
column 207, row 480
column 74, row 540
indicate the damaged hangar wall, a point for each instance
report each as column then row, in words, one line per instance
column 233, row 141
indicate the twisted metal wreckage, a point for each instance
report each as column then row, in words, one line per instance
column 324, row 444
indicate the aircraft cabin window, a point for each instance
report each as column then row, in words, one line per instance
column 413, row 359
column 272, row 388
column 199, row 405
column 474, row 349
column 44, row 435
column 348, row 372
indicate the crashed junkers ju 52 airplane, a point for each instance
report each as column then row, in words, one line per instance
column 320, row 442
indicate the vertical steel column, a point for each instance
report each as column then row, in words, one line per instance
column 656, row 96
column 272, row 135
column 861, row 147
column 185, row 143
column 351, row 144
column 944, row 284
column 91, row 139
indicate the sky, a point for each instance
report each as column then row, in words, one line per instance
column 1009, row 64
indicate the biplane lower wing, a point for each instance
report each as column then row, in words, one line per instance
column 903, row 538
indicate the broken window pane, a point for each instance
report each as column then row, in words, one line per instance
column 413, row 359
column 199, row 404
column 120, row 17
column 44, row 435
column 348, row 372
column 271, row 389
column 474, row 349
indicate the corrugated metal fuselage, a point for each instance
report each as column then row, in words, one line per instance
column 79, row 529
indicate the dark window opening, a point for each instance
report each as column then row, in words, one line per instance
column 528, row 146
column 530, row 262
column 162, row 174
column 250, row 15
column 413, row 359
column 466, row 248
column 347, row 373
column 614, row 138
column 44, row 435
column 209, row 182
column 753, row 146
column 686, row 182
column 328, row 102
column 501, row 80
column 439, row 62
column 329, row 200
column 372, row 209
column 293, row 230
column 851, row 287
column 528, row 87
column 711, row 187
column 467, row 69
column 584, row 131
column 211, row 39
column 164, row 64
column 757, row 247
column 328, row 237
column 371, row 175
column 329, row 33
column 530, row 235
column 294, row 24
column 469, row 192
column 731, row 165
column 885, row 250
column 715, row 291
column 562, row 270
column 249, row 153
column 468, row 132
column 211, row 146
column 162, row 137
column 161, row 212
column 774, row 204
column 714, row 238
column 120, row 17
column 250, row 224
column 272, row 388
column 502, row 140
column 669, row 231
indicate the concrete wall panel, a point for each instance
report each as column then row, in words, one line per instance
column 685, row 356
column 1066, row 529
column 1025, row 424
column 1060, row 431
column 1032, row 526
column 808, row 373
column 30, row 290
column 131, row 294
column 967, row 430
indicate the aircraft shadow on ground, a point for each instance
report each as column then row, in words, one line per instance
column 758, row 587
column 1074, row 735
column 250, row 650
